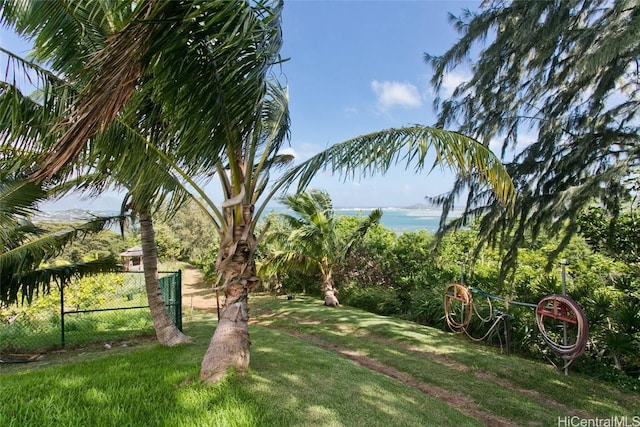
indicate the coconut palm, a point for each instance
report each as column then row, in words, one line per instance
column 244, row 172
column 122, row 62
column 313, row 240
column 220, row 53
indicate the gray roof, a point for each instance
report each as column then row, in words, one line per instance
column 134, row 251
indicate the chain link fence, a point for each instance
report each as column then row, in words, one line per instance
column 101, row 308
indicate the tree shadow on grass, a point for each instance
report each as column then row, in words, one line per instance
column 314, row 386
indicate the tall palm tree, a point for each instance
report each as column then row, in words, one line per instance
column 313, row 239
column 244, row 172
column 220, row 53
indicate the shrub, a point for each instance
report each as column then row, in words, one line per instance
column 376, row 299
column 426, row 307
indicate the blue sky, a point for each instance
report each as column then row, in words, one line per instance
column 358, row 67
column 355, row 67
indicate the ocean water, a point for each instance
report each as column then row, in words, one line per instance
column 400, row 220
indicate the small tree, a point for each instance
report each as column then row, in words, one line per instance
column 313, row 238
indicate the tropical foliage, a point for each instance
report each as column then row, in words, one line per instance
column 556, row 82
column 105, row 160
column 406, row 275
column 26, row 247
column 225, row 118
column 311, row 239
column 376, row 152
column 246, row 172
column 615, row 234
column 187, row 235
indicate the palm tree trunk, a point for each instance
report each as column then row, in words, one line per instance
column 330, row 293
column 229, row 346
column 166, row 331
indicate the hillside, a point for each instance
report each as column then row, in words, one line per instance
column 310, row 365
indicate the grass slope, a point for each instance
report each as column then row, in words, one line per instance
column 310, row 366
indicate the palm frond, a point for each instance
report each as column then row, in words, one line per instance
column 287, row 259
column 372, row 219
column 119, row 66
column 32, row 282
column 24, row 247
column 25, row 120
column 376, row 152
column 18, row 198
column 50, row 245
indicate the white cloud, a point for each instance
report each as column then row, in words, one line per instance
column 396, row 94
column 451, row 81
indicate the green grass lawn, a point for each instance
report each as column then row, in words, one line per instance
column 310, row 366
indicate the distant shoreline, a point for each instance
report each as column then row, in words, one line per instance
column 398, row 219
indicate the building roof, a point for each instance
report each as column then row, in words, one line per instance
column 134, row 251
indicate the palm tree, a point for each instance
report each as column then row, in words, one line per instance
column 313, row 239
column 220, row 53
column 25, row 247
column 123, row 54
column 167, row 332
column 245, row 171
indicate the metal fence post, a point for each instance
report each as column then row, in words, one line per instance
column 62, row 314
column 179, row 300
column 563, row 263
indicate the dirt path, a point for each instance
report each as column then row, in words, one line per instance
column 457, row 400
column 195, row 293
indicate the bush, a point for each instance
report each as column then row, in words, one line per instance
column 377, row 300
column 426, row 307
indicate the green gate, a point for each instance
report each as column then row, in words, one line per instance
column 171, row 287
